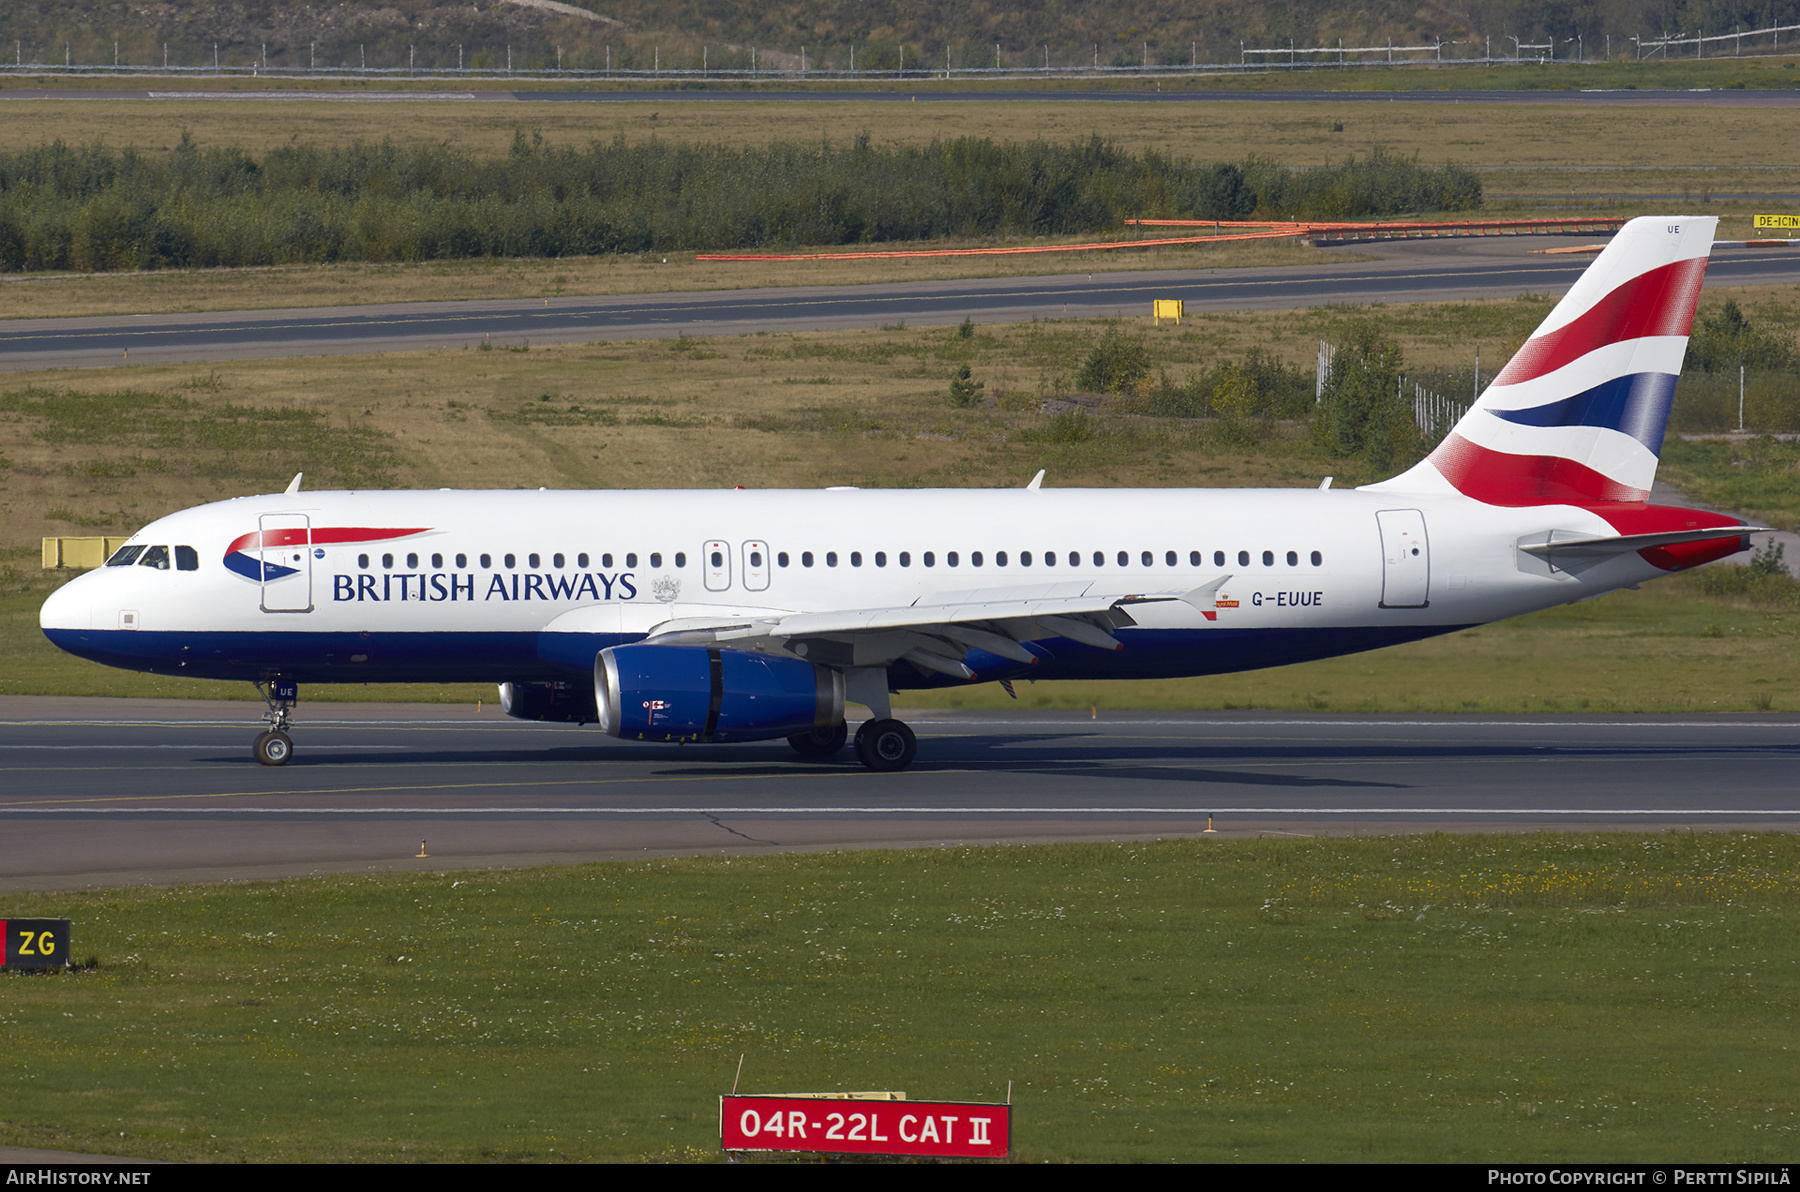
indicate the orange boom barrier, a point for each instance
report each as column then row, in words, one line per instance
column 1272, row 230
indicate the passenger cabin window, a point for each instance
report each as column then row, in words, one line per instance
column 581, row 560
column 437, row 562
column 831, row 558
column 999, row 558
column 487, row 561
column 856, row 558
column 1317, row 558
column 906, row 558
column 656, row 558
column 930, row 559
column 881, row 558
column 125, row 556
column 806, row 559
column 531, row 561
column 556, row 560
column 1243, row 558
column 388, row 561
column 1293, row 558
column 1218, row 558
column 187, row 559
column 462, row 562
column 1268, row 558
column 781, row 560
column 681, row 558
column 631, row 559
column 362, row 561
column 155, row 556
column 605, row 561
column 412, row 561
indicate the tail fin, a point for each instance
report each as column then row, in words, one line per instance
column 1578, row 415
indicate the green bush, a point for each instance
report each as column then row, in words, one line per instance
column 95, row 208
column 1116, row 365
column 1361, row 411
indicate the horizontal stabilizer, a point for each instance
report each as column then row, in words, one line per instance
column 1621, row 544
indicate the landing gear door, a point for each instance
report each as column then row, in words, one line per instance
column 756, row 566
column 1405, row 559
column 286, row 555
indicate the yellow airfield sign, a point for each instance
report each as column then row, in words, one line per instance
column 1790, row 222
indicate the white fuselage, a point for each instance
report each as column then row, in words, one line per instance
column 518, row 585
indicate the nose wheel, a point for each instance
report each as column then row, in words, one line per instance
column 274, row 747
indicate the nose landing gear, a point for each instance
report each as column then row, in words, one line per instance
column 274, row 747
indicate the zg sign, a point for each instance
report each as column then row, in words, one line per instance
column 944, row 1129
column 35, row 943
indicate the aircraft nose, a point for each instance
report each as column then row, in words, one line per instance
column 69, row 607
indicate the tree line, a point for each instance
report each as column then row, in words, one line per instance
column 93, row 208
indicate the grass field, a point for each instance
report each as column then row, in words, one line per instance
column 1539, row 137
column 1452, row 999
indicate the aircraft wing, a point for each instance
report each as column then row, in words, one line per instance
column 937, row 633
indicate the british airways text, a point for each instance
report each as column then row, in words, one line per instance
column 437, row 586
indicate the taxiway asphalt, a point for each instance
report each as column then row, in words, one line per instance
column 1439, row 270
column 107, row 793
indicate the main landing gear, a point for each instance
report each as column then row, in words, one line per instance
column 881, row 744
column 274, row 747
column 820, row 742
column 885, row 745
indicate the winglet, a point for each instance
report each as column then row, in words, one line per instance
column 294, row 484
column 1037, row 482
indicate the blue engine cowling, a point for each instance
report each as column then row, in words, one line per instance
column 703, row 693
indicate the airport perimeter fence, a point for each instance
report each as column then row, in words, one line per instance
column 209, row 62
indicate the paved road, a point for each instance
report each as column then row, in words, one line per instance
column 99, row 792
column 1415, row 271
column 928, row 91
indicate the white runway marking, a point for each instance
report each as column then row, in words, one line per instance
column 865, row 809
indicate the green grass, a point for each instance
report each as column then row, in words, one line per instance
column 1755, row 477
column 1461, row 999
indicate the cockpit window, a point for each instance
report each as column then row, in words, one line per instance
column 187, row 559
column 125, row 556
column 157, row 557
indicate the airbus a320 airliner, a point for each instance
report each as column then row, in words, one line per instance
column 741, row 615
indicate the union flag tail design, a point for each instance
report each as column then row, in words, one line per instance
column 1577, row 416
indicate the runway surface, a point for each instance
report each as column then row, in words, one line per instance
column 108, row 793
column 1411, row 271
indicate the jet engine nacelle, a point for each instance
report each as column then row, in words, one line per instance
column 702, row 693
column 565, row 703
